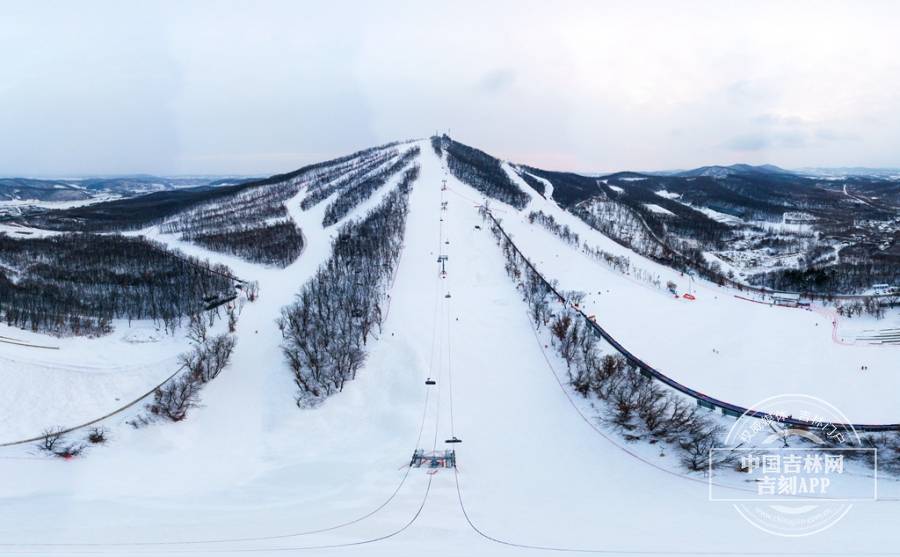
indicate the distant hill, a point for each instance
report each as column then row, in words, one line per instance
column 717, row 171
column 40, row 190
column 76, row 189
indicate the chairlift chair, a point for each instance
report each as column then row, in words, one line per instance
column 430, row 381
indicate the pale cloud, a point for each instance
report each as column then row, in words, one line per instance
column 230, row 87
column 785, row 132
column 497, row 81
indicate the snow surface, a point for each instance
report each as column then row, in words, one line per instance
column 548, row 185
column 711, row 213
column 249, row 464
column 653, row 207
column 49, row 382
column 668, row 194
column 724, row 218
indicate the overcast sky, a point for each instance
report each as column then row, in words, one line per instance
column 263, row 87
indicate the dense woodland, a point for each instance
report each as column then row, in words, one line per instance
column 278, row 243
column 76, row 283
column 482, row 172
column 568, row 188
column 326, row 329
column 253, row 224
column 833, row 279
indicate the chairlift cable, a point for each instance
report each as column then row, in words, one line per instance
column 259, row 538
column 365, row 541
column 609, row 551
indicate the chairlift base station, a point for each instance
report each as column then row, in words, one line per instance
column 436, row 459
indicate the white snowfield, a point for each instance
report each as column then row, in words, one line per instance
column 249, row 472
column 653, row 207
column 52, row 382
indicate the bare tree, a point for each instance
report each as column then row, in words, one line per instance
column 232, row 319
column 175, row 398
column 52, row 437
column 197, row 329
column 696, row 448
column 97, row 435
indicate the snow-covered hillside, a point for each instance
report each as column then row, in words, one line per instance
column 537, row 472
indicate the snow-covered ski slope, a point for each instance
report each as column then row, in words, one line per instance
column 249, row 472
column 721, row 343
column 48, row 382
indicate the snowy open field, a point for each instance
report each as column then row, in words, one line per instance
column 49, row 382
column 249, row 472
